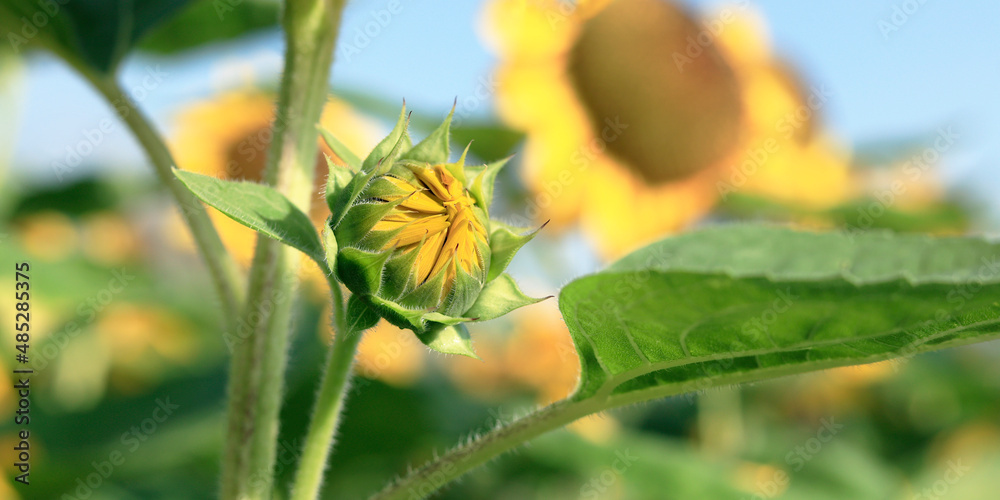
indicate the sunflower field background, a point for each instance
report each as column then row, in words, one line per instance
column 627, row 120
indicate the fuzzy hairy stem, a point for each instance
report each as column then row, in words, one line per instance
column 257, row 371
column 321, row 436
column 424, row 481
column 225, row 274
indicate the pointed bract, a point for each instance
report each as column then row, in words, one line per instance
column 340, row 202
column 482, row 184
column 449, row 340
column 360, row 271
column 500, row 297
column 346, row 156
column 360, row 316
column 434, row 148
column 337, row 180
column 329, row 245
column 384, row 148
column 505, row 241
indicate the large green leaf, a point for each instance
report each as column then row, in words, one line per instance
column 207, row 21
column 260, row 208
column 96, row 33
column 743, row 303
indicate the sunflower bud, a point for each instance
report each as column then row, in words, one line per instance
column 414, row 240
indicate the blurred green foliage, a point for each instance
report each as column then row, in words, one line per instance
column 902, row 422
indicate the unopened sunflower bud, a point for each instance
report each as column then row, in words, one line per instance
column 415, row 243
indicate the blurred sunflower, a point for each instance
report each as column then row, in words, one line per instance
column 613, row 128
column 537, row 356
column 109, row 238
column 628, row 110
column 37, row 232
column 840, row 390
column 129, row 348
column 141, row 337
column 228, row 137
column 389, row 354
column 785, row 153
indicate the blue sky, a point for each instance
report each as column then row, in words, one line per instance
column 939, row 68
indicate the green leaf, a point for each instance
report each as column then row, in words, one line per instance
column 260, row 208
column 342, row 151
column 737, row 304
column 449, row 340
column 207, row 21
column 96, row 33
column 499, row 297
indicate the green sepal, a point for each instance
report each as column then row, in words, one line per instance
column 361, row 271
column 341, row 201
column 434, row 149
column 412, row 319
column 346, row 156
column 505, row 241
column 401, row 265
column 417, row 320
column 359, row 221
column 453, row 339
column 330, row 246
column 427, row 294
column 386, row 152
column 360, row 316
column 443, row 319
column 380, row 187
column 337, row 180
column 462, row 295
column 458, row 168
column 482, row 184
column 500, row 297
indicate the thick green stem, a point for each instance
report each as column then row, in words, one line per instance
column 320, row 437
column 260, row 357
column 424, row 481
column 225, row 274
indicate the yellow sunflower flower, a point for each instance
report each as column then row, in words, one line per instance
column 785, row 155
column 434, row 217
column 228, row 137
column 628, row 110
column 614, row 128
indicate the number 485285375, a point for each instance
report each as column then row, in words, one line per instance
column 22, row 306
